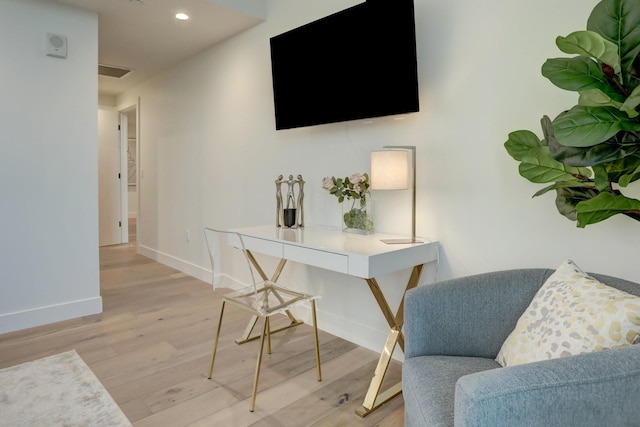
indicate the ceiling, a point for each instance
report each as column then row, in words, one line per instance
column 145, row 36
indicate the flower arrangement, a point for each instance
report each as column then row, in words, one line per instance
column 356, row 189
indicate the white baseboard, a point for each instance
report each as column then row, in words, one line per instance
column 191, row 269
column 38, row 316
column 348, row 330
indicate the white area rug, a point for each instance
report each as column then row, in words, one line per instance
column 59, row 390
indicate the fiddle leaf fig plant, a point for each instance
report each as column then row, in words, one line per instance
column 590, row 153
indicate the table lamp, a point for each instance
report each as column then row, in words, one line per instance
column 390, row 171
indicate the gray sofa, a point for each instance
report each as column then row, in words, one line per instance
column 453, row 332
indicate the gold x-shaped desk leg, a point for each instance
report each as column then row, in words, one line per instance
column 374, row 398
column 246, row 336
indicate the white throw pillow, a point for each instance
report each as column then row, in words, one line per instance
column 572, row 313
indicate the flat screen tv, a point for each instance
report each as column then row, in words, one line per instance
column 355, row 64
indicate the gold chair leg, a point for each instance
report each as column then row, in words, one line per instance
column 315, row 336
column 258, row 363
column 215, row 342
column 268, row 321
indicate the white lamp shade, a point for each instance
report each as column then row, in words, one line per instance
column 390, row 170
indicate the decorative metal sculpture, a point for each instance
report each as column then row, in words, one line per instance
column 291, row 214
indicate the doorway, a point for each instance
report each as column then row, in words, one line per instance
column 118, row 175
column 110, row 203
column 132, row 171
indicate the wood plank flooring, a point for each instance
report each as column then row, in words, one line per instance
column 152, row 345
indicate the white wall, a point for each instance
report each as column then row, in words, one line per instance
column 209, row 152
column 49, row 268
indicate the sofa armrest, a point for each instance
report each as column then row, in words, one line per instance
column 594, row 389
column 469, row 316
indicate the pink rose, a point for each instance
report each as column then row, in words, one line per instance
column 356, row 178
column 327, row 183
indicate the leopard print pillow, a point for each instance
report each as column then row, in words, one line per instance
column 572, row 313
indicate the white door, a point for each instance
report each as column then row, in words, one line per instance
column 109, row 178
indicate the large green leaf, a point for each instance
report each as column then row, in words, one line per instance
column 632, row 102
column 592, row 44
column 568, row 198
column 578, row 74
column 544, row 168
column 537, row 165
column 619, row 22
column 587, row 126
column 597, row 98
column 587, row 156
column 522, row 143
column 603, row 206
column 581, row 156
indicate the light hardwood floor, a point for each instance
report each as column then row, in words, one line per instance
column 152, row 344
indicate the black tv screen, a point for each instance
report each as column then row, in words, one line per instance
column 355, row 64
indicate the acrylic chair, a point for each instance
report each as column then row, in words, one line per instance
column 263, row 299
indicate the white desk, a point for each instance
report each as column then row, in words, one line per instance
column 358, row 255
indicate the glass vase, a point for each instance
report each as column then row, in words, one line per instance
column 357, row 217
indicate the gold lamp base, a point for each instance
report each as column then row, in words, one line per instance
column 399, row 241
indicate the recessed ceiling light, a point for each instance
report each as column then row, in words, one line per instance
column 182, row 16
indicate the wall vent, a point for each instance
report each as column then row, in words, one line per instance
column 110, row 71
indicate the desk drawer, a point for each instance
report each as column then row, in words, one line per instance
column 317, row 258
column 263, row 246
